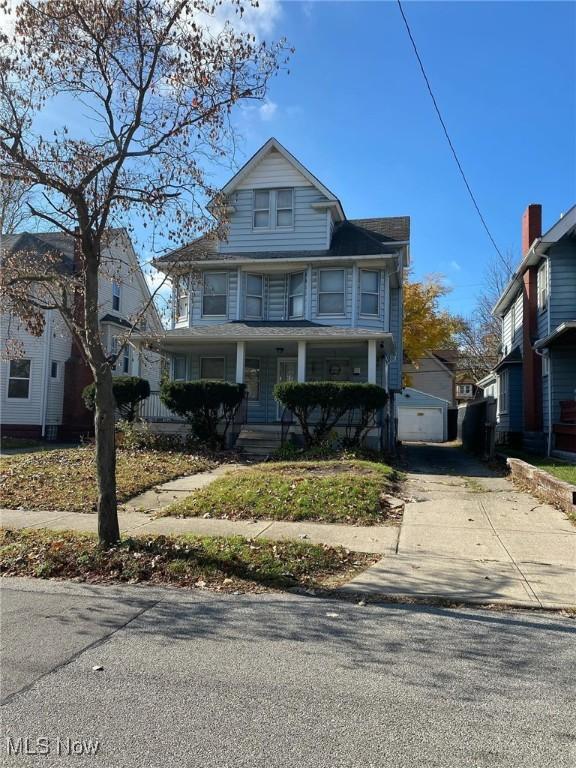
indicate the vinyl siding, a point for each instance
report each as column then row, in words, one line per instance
column 511, row 421
column 395, row 368
column 17, row 411
column 196, row 293
column 563, row 362
column 310, row 231
column 542, row 314
column 432, row 377
column 60, row 345
column 563, row 283
column 273, row 171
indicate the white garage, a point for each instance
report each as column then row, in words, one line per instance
column 421, row 417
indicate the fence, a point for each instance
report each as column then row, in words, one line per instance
column 152, row 409
column 477, row 426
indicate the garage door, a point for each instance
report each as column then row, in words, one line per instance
column 421, row 424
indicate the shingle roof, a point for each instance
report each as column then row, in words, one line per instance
column 301, row 329
column 514, row 356
column 40, row 241
column 358, row 237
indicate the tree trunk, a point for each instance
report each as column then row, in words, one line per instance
column 105, row 428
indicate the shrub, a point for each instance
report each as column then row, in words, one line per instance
column 129, row 392
column 204, row 404
column 319, row 405
column 138, row 436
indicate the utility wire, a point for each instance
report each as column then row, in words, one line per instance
column 458, row 163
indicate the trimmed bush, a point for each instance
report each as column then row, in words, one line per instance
column 204, row 405
column 319, row 405
column 129, row 392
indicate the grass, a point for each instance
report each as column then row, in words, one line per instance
column 225, row 564
column 346, row 491
column 560, row 469
column 66, row 479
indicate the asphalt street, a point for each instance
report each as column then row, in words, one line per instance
column 200, row 679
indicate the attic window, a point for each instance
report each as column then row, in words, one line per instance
column 262, row 209
column 273, row 209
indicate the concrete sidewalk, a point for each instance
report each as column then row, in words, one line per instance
column 470, row 535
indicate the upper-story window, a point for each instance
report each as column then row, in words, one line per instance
column 464, row 389
column 215, row 294
column 369, row 292
column 116, row 292
column 296, row 295
column 543, row 286
column 273, row 209
column 182, row 299
column 254, row 296
column 503, row 392
column 331, row 292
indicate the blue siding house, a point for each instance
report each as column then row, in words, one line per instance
column 535, row 381
column 295, row 291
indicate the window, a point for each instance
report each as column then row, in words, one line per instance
column 55, row 369
column 212, row 368
column 503, row 392
column 273, row 209
column 114, row 349
column 179, row 368
column 182, row 299
column 543, row 286
column 369, row 292
column 261, row 209
column 19, row 379
column 284, row 208
column 296, row 295
column 116, row 296
column 338, row 370
column 126, row 359
column 331, row 292
column 254, row 295
column 214, row 299
column 252, row 378
column 464, row 389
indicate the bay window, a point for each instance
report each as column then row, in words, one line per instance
column 369, row 292
column 254, row 296
column 331, row 292
column 214, row 298
column 296, row 295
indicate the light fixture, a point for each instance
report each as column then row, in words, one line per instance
column 279, row 350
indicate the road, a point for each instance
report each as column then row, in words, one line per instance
column 204, row 680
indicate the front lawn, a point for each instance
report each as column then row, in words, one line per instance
column 560, row 469
column 226, row 564
column 65, row 479
column 345, row 491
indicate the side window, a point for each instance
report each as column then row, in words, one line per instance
column 503, row 392
column 19, row 379
column 182, row 299
column 331, row 292
column 369, row 292
column 116, row 291
column 296, row 295
column 543, row 286
column 55, row 370
column 254, row 296
column 215, row 294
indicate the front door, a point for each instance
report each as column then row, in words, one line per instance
column 287, row 371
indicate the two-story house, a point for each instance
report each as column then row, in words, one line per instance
column 296, row 291
column 41, row 383
column 536, row 377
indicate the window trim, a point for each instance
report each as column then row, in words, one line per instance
column 226, row 275
column 180, row 294
column 542, row 270
column 272, row 210
column 116, row 294
column 292, row 316
column 256, row 399
column 58, row 370
column 503, row 406
column 255, row 210
column 179, row 357
column 19, row 378
column 283, row 227
column 213, row 357
column 320, row 293
column 126, row 357
column 370, row 293
column 254, row 296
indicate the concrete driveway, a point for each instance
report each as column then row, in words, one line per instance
column 469, row 534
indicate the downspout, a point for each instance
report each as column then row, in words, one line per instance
column 548, row 287
column 45, row 376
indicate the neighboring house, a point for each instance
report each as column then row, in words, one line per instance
column 296, row 292
column 536, row 377
column 466, row 388
column 41, row 388
column 434, row 373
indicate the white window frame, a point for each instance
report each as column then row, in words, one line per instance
column 179, row 357
column 126, row 359
column 10, row 378
column 292, row 295
column 214, row 357
column 225, row 294
column 542, row 283
column 272, row 210
column 254, row 296
column 116, row 295
column 370, row 293
column 58, row 370
column 182, row 294
column 320, row 293
column 503, row 392
column 259, row 368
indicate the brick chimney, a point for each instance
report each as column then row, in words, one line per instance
column 532, row 363
column 531, row 226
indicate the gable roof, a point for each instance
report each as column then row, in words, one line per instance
column 269, row 146
column 564, row 227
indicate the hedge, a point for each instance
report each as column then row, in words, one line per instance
column 129, row 392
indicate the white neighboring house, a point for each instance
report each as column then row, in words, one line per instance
column 41, row 388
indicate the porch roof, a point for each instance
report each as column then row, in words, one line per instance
column 564, row 330
column 289, row 330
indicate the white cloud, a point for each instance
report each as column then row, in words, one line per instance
column 260, row 20
column 268, row 110
column 455, row 266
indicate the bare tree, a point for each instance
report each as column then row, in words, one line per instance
column 158, row 82
column 15, row 200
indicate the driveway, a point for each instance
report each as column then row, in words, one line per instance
column 201, row 680
column 470, row 534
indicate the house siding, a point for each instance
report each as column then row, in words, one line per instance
column 562, row 300
column 563, row 362
column 273, row 171
column 432, row 378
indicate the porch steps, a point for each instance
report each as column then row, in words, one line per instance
column 258, row 442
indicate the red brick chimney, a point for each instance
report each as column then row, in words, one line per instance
column 531, row 226
column 532, row 363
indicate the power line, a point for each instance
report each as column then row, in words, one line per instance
column 458, row 163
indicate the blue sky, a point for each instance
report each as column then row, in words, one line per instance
column 355, row 110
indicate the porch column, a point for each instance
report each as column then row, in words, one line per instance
column 372, row 361
column 240, row 359
column 301, row 361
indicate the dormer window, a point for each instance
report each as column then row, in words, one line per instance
column 273, row 209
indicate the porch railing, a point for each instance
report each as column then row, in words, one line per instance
column 153, row 409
